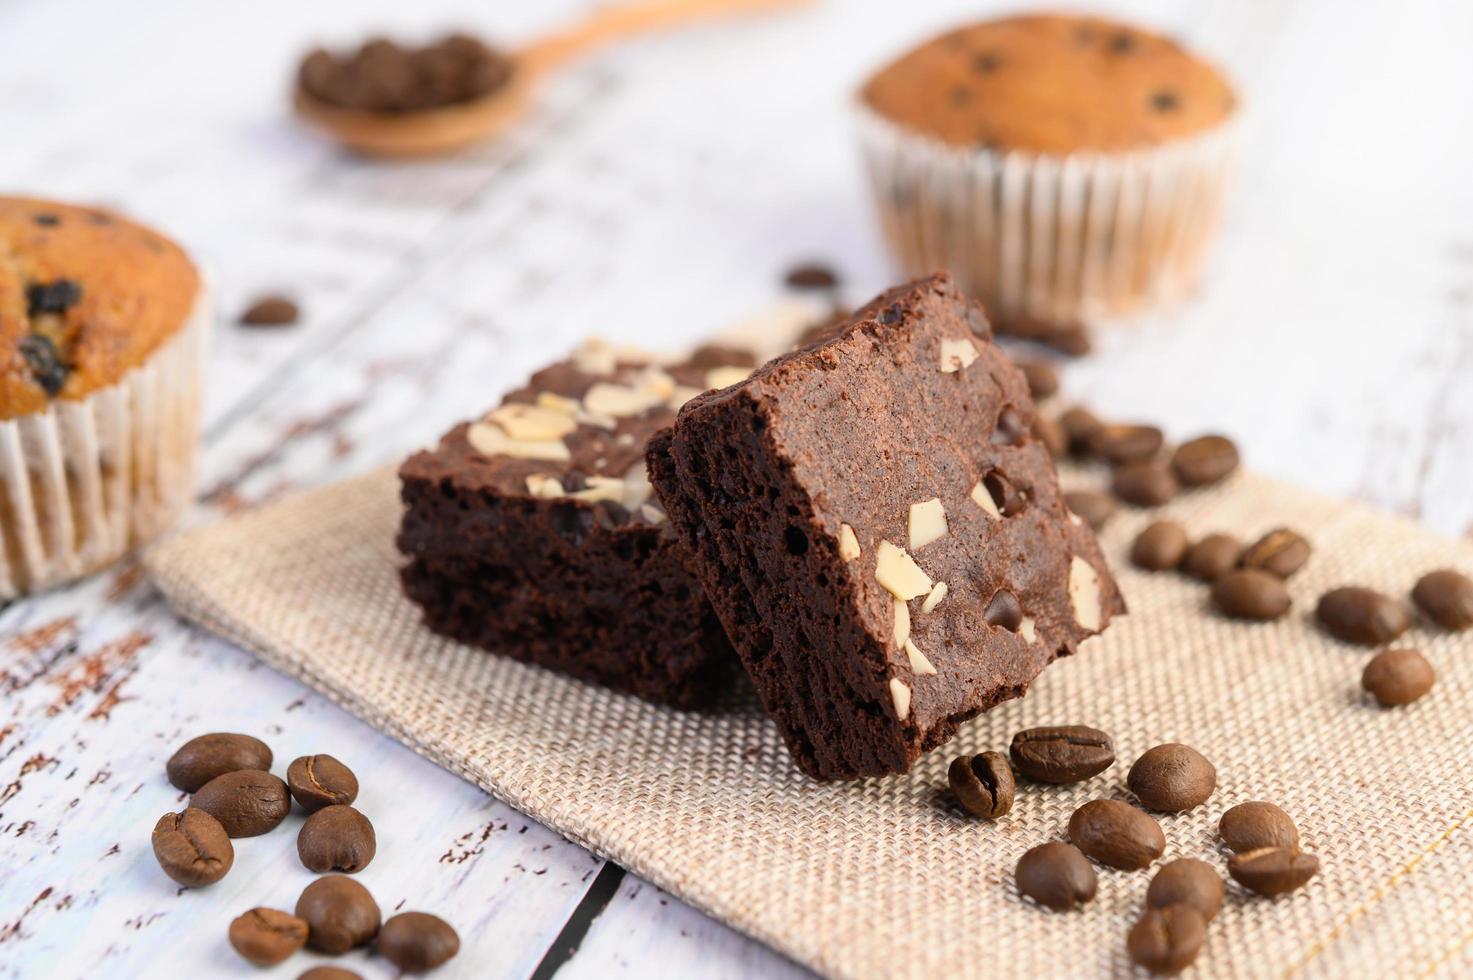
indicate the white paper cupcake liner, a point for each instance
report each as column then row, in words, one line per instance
column 1051, row 238
column 85, row 481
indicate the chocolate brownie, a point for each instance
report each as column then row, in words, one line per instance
column 880, row 534
column 532, row 532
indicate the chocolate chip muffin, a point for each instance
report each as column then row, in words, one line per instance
column 1063, row 167
column 101, row 330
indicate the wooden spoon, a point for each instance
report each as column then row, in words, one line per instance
column 422, row 132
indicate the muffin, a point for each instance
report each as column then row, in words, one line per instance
column 1062, row 167
column 103, row 325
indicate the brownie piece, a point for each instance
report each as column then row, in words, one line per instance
column 532, row 532
column 881, row 536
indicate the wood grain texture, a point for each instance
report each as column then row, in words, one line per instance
column 657, row 193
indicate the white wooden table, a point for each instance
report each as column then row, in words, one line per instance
column 658, row 193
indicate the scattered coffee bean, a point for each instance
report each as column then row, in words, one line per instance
column 1056, row 876
column 317, row 781
column 1166, row 941
column 811, row 275
column 1048, row 431
column 1117, row 443
column 265, row 937
column 1116, row 834
column 1092, row 506
column 204, row 757
column 1062, row 754
column 1255, row 825
column 983, row 784
column 1272, row 871
column 1212, row 557
column 1281, row 552
column 247, row 802
column 192, row 848
column 1446, row 597
column 271, row 311
column 1043, row 379
column 340, row 914
column 336, row 838
column 1251, row 593
column 1205, row 460
column 1172, row 778
column 1080, row 425
column 1144, row 484
column 329, row 973
column 1188, row 881
column 1070, row 338
column 1397, row 677
column 417, row 942
column 1363, row 616
column 1160, row 547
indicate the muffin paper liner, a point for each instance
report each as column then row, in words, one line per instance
column 86, row 480
column 1051, row 238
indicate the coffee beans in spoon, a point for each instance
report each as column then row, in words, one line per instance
column 1398, row 677
column 247, row 802
column 1116, row 834
column 266, row 937
column 1057, row 876
column 1062, row 754
column 983, row 784
column 417, row 942
column 1254, row 825
column 340, row 914
column 1160, row 547
column 1167, row 940
column 1445, row 597
column 336, row 838
column 1187, row 881
column 192, row 847
column 1364, row 616
column 1251, row 593
column 1172, row 778
column 317, row 781
column 204, row 757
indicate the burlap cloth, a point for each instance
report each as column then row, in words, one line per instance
column 885, row 877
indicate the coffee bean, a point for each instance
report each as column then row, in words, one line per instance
column 1446, row 597
column 1043, row 380
column 811, row 275
column 192, row 848
column 1160, row 547
column 983, row 784
column 336, row 838
column 1062, row 754
column 1364, row 616
column 417, row 942
column 1166, row 941
column 1080, row 425
column 329, row 973
column 1048, row 431
column 340, row 914
column 1188, row 881
column 1272, row 871
column 1144, row 484
column 1205, row 460
column 1117, row 443
column 247, row 802
column 1172, row 778
column 204, row 757
column 1092, row 507
column 1397, row 677
column 317, row 781
column 265, row 937
column 1212, row 557
column 1254, row 825
column 1116, row 834
column 1251, row 593
column 1281, row 552
column 271, row 311
column 1056, row 876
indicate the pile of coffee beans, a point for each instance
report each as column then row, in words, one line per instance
column 383, row 76
column 235, row 796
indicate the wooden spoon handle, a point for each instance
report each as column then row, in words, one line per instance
column 614, row 23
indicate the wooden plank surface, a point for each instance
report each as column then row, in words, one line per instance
column 657, row 193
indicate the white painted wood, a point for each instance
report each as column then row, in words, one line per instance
column 657, row 194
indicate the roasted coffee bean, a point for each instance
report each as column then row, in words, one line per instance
column 1363, row 616
column 247, row 802
column 317, row 781
column 1144, row 484
column 1446, row 598
column 1204, row 460
column 1080, row 425
column 1272, row 871
column 1254, row 825
column 1397, row 677
column 1187, row 881
column 1160, row 547
column 416, row 942
column 1117, row 443
column 1116, row 834
column 44, row 362
column 57, row 296
column 1048, row 431
column 1172, row 778
column 340, row 914
column 1167, row 940
column 1092, row 506
column 1251, row 593
column 1056, row 876
column 192, row 848
column 811, row 275
column 201, row 759
column 329, row 973
column 983, row 784
column 1062, row 754
column 1043, row 379
column 1281, row 552
column 336, row 838
column 265, row 937
column 1212, row 557
column 271, row 311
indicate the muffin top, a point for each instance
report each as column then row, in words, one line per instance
column 1052, row 84
column 85, row 295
